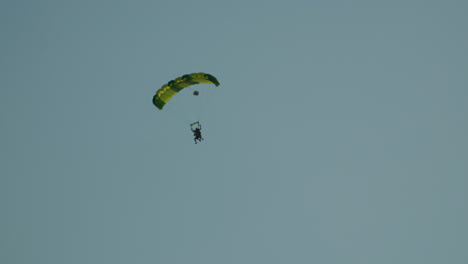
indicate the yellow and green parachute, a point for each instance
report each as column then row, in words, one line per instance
column 168, row 90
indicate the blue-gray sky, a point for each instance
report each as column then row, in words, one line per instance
column 339, row 133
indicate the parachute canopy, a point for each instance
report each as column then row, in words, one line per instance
column 168, row 90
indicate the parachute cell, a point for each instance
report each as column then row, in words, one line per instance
column 168, row 90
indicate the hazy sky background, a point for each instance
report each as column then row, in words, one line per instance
column 339, row 133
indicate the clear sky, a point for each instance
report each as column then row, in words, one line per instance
column 339, row 133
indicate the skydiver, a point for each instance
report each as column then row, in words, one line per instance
column 197, row 133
